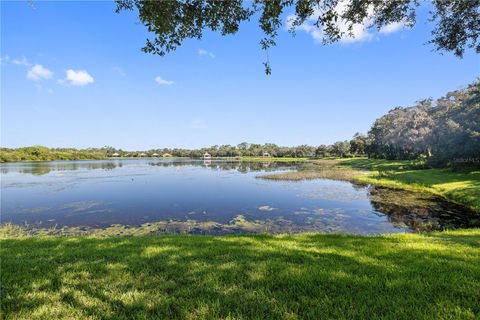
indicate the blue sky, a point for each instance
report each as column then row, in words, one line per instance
column 73, row 75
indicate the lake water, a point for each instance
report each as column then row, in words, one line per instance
column 210, row 197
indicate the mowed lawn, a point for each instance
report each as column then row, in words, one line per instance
column 308, row 276
column 462, row 187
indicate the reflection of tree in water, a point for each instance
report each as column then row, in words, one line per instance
column 42, row 168
column 37, row 170
column 420, row 212
column 240, row 166
column 45, row 168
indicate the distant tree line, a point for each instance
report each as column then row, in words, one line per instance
column 442, row 132
column 39, row 153
column 244, row 149
column 355, row 147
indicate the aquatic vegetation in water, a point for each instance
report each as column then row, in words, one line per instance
column 322, row 169
column 266, row 208
column 341, row 174
column 125, row 198
column 421, row 212
column 239, row 224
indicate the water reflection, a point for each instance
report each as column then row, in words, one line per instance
column 421, row 212
column 197, row 196
column 227, row 165
column 43, row 168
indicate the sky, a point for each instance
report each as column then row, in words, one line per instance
column 73, row 75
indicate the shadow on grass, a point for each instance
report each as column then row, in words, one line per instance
column 266, row 277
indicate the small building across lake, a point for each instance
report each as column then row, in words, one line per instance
column 207, row 155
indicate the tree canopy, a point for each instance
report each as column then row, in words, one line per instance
column 445, row 131
column 456, row 22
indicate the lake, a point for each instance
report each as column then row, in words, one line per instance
column 212, row 197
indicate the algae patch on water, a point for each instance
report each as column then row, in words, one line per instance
column 266, row 208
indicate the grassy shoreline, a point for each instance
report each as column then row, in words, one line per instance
column 122, row 275
column 308, row 276
column 459, row 187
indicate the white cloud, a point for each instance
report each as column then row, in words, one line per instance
column 359, row 32
column 392, row 27
column 39, row 72
column 203, row 52
column 161, row 81
column 79, row 77
column 307, row 27
column 21, row 62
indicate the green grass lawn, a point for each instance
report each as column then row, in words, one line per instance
column 460, row 187
column 308, row 276
column 380, row 164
